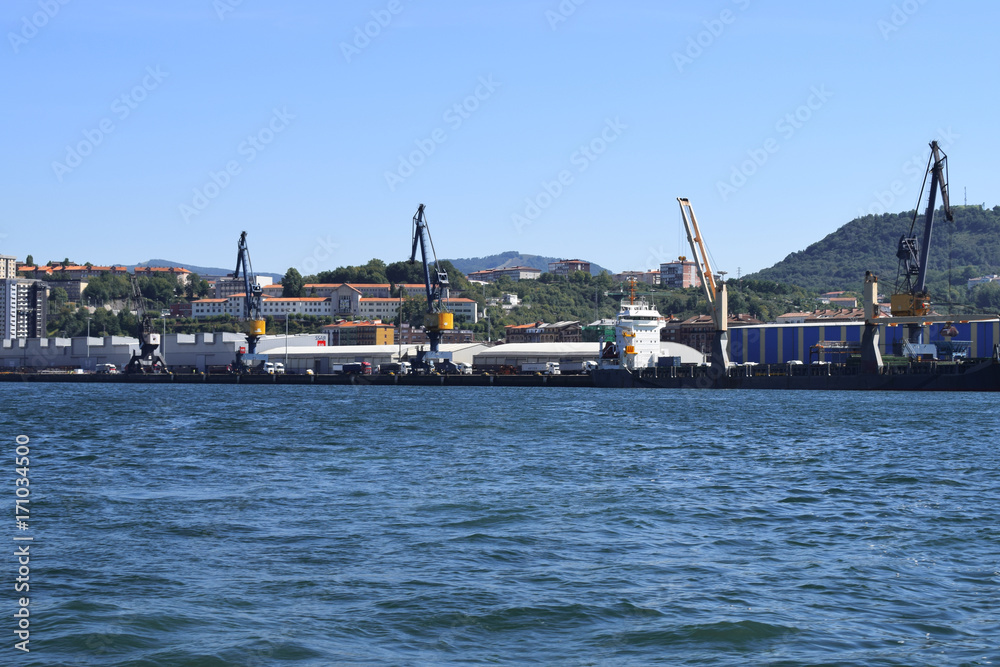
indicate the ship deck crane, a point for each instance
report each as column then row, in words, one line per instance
column 910, row 297
column 437, row 318
column 247, row 359
column 145, row 360
column 718, row 300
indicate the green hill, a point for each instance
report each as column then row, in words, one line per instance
column 512, row 258
column 971, row 246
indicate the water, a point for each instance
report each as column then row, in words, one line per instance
column 243, row 525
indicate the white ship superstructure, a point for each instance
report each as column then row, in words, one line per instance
column 637, row 336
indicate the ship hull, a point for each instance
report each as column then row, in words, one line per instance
column 984, row 376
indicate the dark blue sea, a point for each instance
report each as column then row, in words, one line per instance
column 253, row 525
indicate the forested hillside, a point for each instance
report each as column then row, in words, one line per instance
column 971, row 246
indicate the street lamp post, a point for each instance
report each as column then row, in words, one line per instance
column 286, row 341
column 88, row 338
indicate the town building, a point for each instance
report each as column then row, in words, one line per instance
column 540, row 332
column 360, row 333
column 180, row 275
column 645, row 277
column 680, row 274
column 982, row 280
column 512, row 272
column 564, row 267
column 8, row 267
column 418, row 336
column 23, row 308
column 697, row 332
column 230, row 285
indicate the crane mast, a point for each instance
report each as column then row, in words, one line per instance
column 437, row 318
column 145, row 360
column 253, row 297
column 715, row 294
column 911, row 297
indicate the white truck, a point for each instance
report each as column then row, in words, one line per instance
column 542, row 368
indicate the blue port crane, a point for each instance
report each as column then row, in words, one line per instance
column 437, row 318
column 253, row 298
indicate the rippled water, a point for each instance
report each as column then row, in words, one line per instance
column 243, row 525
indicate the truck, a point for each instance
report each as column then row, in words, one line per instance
column 576, row 367
column 356, row 368
column 541, row 368
column 107, row 369
column 402, row 368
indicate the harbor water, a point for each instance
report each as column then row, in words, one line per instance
column 357, row 525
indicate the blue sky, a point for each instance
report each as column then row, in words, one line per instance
column 134, row 130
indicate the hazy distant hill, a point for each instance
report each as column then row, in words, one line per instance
column 840, row 260
column 513, row 258
column 200, row 270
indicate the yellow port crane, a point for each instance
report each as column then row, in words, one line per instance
column 718, row 299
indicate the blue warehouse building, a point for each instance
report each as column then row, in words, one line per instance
column 826, row 341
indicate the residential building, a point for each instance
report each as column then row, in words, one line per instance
column 680, row 274
column 540, row 332
column 564, row 267
column 646, row 277
column 418, row 336
column 8, row 267
column 23, row 308
column 360, row 333
column 512, row 272
column 183, row 309
column 230, row 285
column 463, row 309
column 63, row 272
column 697, row 332
column 181, row 275
column 973, row 282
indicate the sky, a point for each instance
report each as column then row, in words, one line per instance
column 139, row 130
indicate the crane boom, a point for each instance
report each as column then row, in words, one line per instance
column 437, row 318
column 715, row 294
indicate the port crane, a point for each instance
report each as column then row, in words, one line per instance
column 247, row 359
column 145, row 360
column 718, row 299
column 910, row 297
column 437, row 318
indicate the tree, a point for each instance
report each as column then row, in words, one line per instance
column 292, row 285
column 58, row 297
column 29, row 260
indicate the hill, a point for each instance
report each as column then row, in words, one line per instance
column 971, row 246
column 513, row 258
